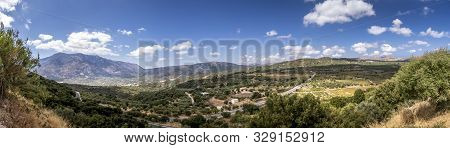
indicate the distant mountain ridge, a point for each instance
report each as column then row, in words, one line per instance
column 67, row 66
column 76, row 67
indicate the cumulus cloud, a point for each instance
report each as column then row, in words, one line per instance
column 433, row 33
column 375, row 53
column 338, row 11
column 78, row 42
column 272, row 33
column 7, row 6
column 45, row 37
column 376, row 30
column 125, row 32
column 412, row 51
column 397, row 29
column 147, row 50
column 182, row 47
column 362, row 47
column 6, row 20
column 387, row 49
column 334, row 51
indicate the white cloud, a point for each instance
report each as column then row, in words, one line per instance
column 147, row 50
column 298, row 50
column 275, row 58
column 125, row 32
column 433, row 33
column 6, row 20
column 334, row 51
column 387, row 48
column 419, row 42
column 426, row 10
column 396, row 28
column 375, row 53
column 8, row 5
column 45, row 37
column 362, row 47
column 233, row 47
column 184, row 46
column 284, row 36
column 338, row 11
column 27, row 24
column 142, row 29
column 412, row 51
column 376, row 30
column 272, row 33
column 78, row 42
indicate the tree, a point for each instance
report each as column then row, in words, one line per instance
column 194, row 121
column 16, row 61
column 250, row 108
column 358, row 96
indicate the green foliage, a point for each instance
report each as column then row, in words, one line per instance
column 250, row 108
column 358, row 96
column 79, row 114
column 292, row 111
column 194, row 121
column 16, row 61
column 424, row 78
column 226, row 114
column 339, row 102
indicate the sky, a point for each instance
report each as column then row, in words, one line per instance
column 176, row 32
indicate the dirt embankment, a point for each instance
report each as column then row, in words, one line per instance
column 19, row 112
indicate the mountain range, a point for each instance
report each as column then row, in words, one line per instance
column 68, row 68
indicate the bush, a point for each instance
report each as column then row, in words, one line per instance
column 226, row 114
column 194, row 121
column 292, row 111
column 358, row 96
column 250, row 108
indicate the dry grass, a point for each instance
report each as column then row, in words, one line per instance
column 327, row 93
column 22, row 113
column 420, row 115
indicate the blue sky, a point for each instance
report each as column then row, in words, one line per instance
column 336, row 28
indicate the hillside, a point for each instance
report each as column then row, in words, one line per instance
column 63, row 66
column 95, row 70
column 20, row 112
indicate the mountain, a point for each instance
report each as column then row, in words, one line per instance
column 95, row 70
column 62, row 66
column 194, row 70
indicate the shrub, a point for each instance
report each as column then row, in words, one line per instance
column 226, row 114
column 250, row 108
column 194, row 121
column 292, row 111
